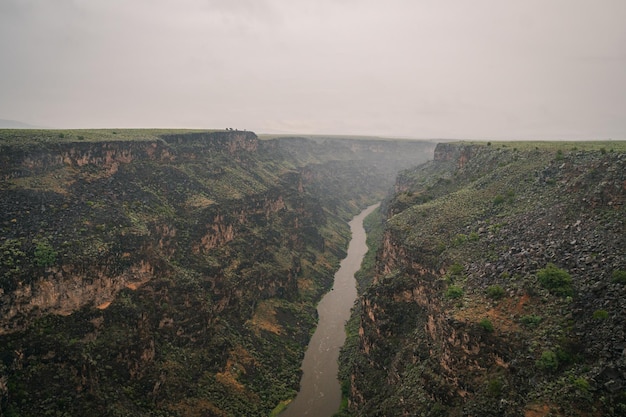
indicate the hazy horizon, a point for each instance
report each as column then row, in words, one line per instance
column 521, row 69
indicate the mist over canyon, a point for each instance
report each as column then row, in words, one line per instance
column 177, row 273
column 172, row 272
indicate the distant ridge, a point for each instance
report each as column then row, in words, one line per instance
column 13, row 124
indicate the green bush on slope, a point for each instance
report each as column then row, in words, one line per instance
column 556, row 280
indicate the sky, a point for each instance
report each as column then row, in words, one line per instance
column 479, row 69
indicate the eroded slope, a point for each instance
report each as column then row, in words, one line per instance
column 172, row 275
column 500, row 287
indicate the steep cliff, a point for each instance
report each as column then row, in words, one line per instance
column 500, row 287
column 169, row 272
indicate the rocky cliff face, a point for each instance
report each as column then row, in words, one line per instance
column 174, row 275
column 500, row 287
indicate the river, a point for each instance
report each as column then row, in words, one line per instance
column 320, row 391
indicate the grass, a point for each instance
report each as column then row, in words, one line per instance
column 25, row 137
column 555, row 145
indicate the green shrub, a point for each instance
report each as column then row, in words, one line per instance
column 473, row 237
column 619, row 276
column 45, row 255
column 495, row 292
column 559, row 155
column 531, row 321
column 499, row 199
column 459, row 239
column 11, row 260
column 548, row 361
column 600, row 314
column 556, row 280
column 454, row 291
column 441, row 247
column 581, row 384
column 494, row 387
column 564, row 355
column 456, row 269
column 11, row 253
column 486, row 324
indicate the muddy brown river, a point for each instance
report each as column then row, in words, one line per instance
column 320, row 392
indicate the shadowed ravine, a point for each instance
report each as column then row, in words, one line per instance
column 320, row 392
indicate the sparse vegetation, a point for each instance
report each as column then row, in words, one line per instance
column 507, row 216
column 176, row 272
column 252, row 277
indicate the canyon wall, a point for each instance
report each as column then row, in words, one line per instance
column 499, row 288
column 175, row 274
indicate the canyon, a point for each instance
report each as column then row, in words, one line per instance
column 498, row 287
column 172, row 273
column 177, row 273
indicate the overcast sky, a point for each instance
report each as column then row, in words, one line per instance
column 496, row 69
